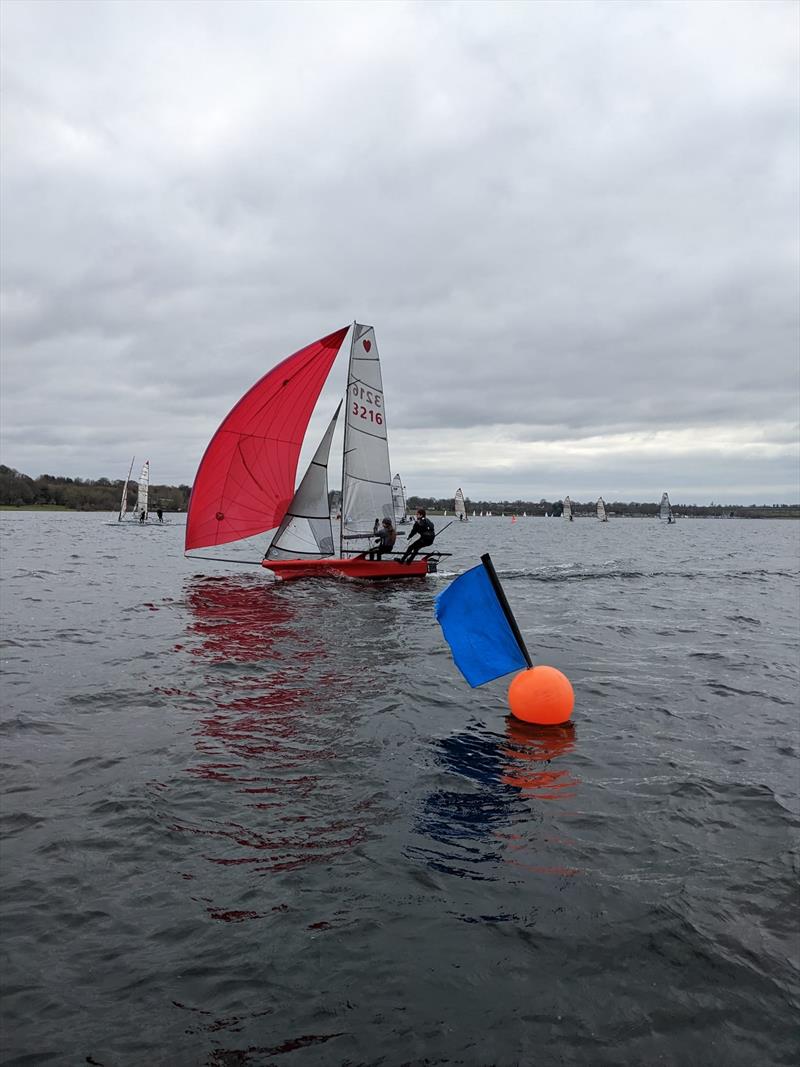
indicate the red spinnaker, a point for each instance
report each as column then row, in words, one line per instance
column 245, row 480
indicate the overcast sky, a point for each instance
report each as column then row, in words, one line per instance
column 573, row 225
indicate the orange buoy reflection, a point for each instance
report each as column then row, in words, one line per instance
column 529, row 753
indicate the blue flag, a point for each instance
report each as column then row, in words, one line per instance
column 476, row 628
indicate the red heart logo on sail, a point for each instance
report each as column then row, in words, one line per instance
column 367, row 345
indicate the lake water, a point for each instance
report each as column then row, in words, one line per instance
column 253, row 823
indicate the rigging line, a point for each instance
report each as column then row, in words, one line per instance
column 220, row 559
column 294, row 553
column 301, row 515
column 372, row 481
column 366, row 433
column 367, row 385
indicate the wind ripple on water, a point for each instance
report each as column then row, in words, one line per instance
column 246, row 822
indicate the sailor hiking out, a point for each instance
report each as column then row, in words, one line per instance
column 424, row 528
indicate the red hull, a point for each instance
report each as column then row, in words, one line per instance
column 345, row 568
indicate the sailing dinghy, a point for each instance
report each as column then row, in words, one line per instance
column 399, row 500
column 245, row 482
column 665, row 510
column 567, row 508
column 460, row 506
column 142, row 494
column 601, row 510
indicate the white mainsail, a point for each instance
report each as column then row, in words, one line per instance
column 665, row 509
column 306, row 529
column 460, row 507
column 366, row 475
column 123, row 507
column 399, row 500
column 601, row 510
column 144, row 489
column 567, row 508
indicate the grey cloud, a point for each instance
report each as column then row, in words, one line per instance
column 561, row 220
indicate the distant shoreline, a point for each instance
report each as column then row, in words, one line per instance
column 765, row 511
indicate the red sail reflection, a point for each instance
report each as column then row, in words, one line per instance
column 271, row 742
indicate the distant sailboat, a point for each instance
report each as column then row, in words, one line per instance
column 245, row 482
column 460, row 506
column 601, row 510
column 399, row 501
column 139, row 512
column 665, row 510
column 567, row 508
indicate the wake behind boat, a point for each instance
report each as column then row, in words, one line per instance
column 245, row 483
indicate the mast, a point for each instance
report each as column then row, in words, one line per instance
column 344, row 442
column 123, row 507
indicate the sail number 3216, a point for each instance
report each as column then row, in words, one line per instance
column 366, row 410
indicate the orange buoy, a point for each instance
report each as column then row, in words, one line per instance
column 542, row 695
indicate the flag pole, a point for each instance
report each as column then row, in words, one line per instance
column 486, row 560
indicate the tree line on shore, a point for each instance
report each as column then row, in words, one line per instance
column 82, row 494
column 103, row 494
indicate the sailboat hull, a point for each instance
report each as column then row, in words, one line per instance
column 369, row 569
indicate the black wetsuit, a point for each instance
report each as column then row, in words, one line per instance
column 423, row 527
column 386, row 540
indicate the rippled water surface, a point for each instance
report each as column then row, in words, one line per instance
column 253, row 823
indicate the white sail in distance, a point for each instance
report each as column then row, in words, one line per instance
column 567, row 508
column 123, row 507
column 398, row 500
column 366, row 476
column 306, row 530
column 460, row 507
column 601, row 510
column 144, row 489
column 665, row 509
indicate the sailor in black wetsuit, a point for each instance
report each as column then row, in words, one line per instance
column 387, row 535
column 424, row 527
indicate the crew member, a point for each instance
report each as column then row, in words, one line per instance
column 387, row 535
column 424, row 528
